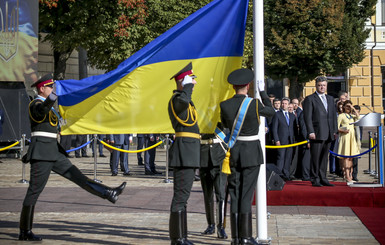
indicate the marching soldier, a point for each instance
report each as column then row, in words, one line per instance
column 213, row 152
column 184, row 152
column 246, row 153
column 46, row 154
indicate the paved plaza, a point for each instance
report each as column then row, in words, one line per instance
column 66, row 214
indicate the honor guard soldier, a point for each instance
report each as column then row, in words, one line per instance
column 246, row 153
column 213, row 151
column 45, row 154
column 184, row 152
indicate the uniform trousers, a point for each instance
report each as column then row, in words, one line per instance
column 213, row 178
column 40, row 172
column 242, row 182
column 183, row 181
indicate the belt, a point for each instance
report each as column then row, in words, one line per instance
column 187, row 135
column 210, row 141
column 44, row 134
column 248, row 138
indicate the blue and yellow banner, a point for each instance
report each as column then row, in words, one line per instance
column 134, row 97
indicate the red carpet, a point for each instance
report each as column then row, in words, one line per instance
column 373, row 219
column 301, row 193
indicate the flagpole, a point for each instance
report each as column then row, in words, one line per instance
column 259, row 69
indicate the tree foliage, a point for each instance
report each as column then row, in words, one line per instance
column 304, row 39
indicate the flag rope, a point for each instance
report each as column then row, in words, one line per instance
column 286, row 146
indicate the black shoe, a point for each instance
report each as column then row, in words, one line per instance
column 28, row 236
column 127, row 174
column 221, row 233
column 149, row 172
column 70, row 156
column 305, row 179
column 248, row 240
column 355, row 179
column 114, row 174
column 327, row 184
column 140, row 163
column 316, row 184
column 156, row 172
column 85, row 156
column 78, row 156
column 102, row 155
column 209, row 230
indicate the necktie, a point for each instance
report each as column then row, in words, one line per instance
column 324, row 102
column 287, row 118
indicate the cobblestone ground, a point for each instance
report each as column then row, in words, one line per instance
column 65, row 214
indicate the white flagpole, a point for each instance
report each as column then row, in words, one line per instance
column 259, row 69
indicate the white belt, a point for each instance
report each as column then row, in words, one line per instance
column 248, row 138
column 210, row 141
column 44, row 134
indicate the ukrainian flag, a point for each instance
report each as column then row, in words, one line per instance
column 133, row 98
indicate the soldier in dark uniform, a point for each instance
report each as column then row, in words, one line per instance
column 184, row 152
column 246, row 154
column 46, row 154
column 213, row 152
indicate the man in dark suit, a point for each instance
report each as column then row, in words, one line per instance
column 1, row 121
column 46, row 154
column 149, row 155
column 321, row 124
column 140, row 144
column 213, row 152
column 283, row 133
column 121, row 141
column 246, row 155
column 184, row 153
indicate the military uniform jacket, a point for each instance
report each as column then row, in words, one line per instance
column 246, row 153
column 43, row 119
column 213, row 152
column 185, row 151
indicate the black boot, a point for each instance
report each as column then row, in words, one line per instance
column 105, row 192
column 221, row 220
column 209, row 208
column 234, row 219
column 93, row 187
column 26, row 220
column 178, row 228
column 246, row 229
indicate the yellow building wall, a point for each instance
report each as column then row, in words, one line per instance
column 359, row 83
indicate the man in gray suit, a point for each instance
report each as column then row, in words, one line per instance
column 120, row 141
column 321, row 125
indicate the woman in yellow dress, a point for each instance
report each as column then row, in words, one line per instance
column 347, row 141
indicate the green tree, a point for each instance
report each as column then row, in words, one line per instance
column 109, row 31
column 70, row 24
column 304, row 39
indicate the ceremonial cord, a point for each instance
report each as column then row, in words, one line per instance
column 286, row 146
column 191, row 111
column 128, row 151
column 10, row 146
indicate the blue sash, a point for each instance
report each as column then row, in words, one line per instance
column 231, row 138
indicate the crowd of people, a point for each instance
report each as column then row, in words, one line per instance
column 327, row 124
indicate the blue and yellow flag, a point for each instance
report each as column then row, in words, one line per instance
column 133, row 98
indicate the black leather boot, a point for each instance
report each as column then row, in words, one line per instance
column 178, row 228
column 246, row 229
column 221, row 220
column 105, row 192
column 209, row 230
column 26, row 220
column 234, row 219
column 93, row 187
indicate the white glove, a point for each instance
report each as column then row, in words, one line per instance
column 186, row 80
column 261, row 85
